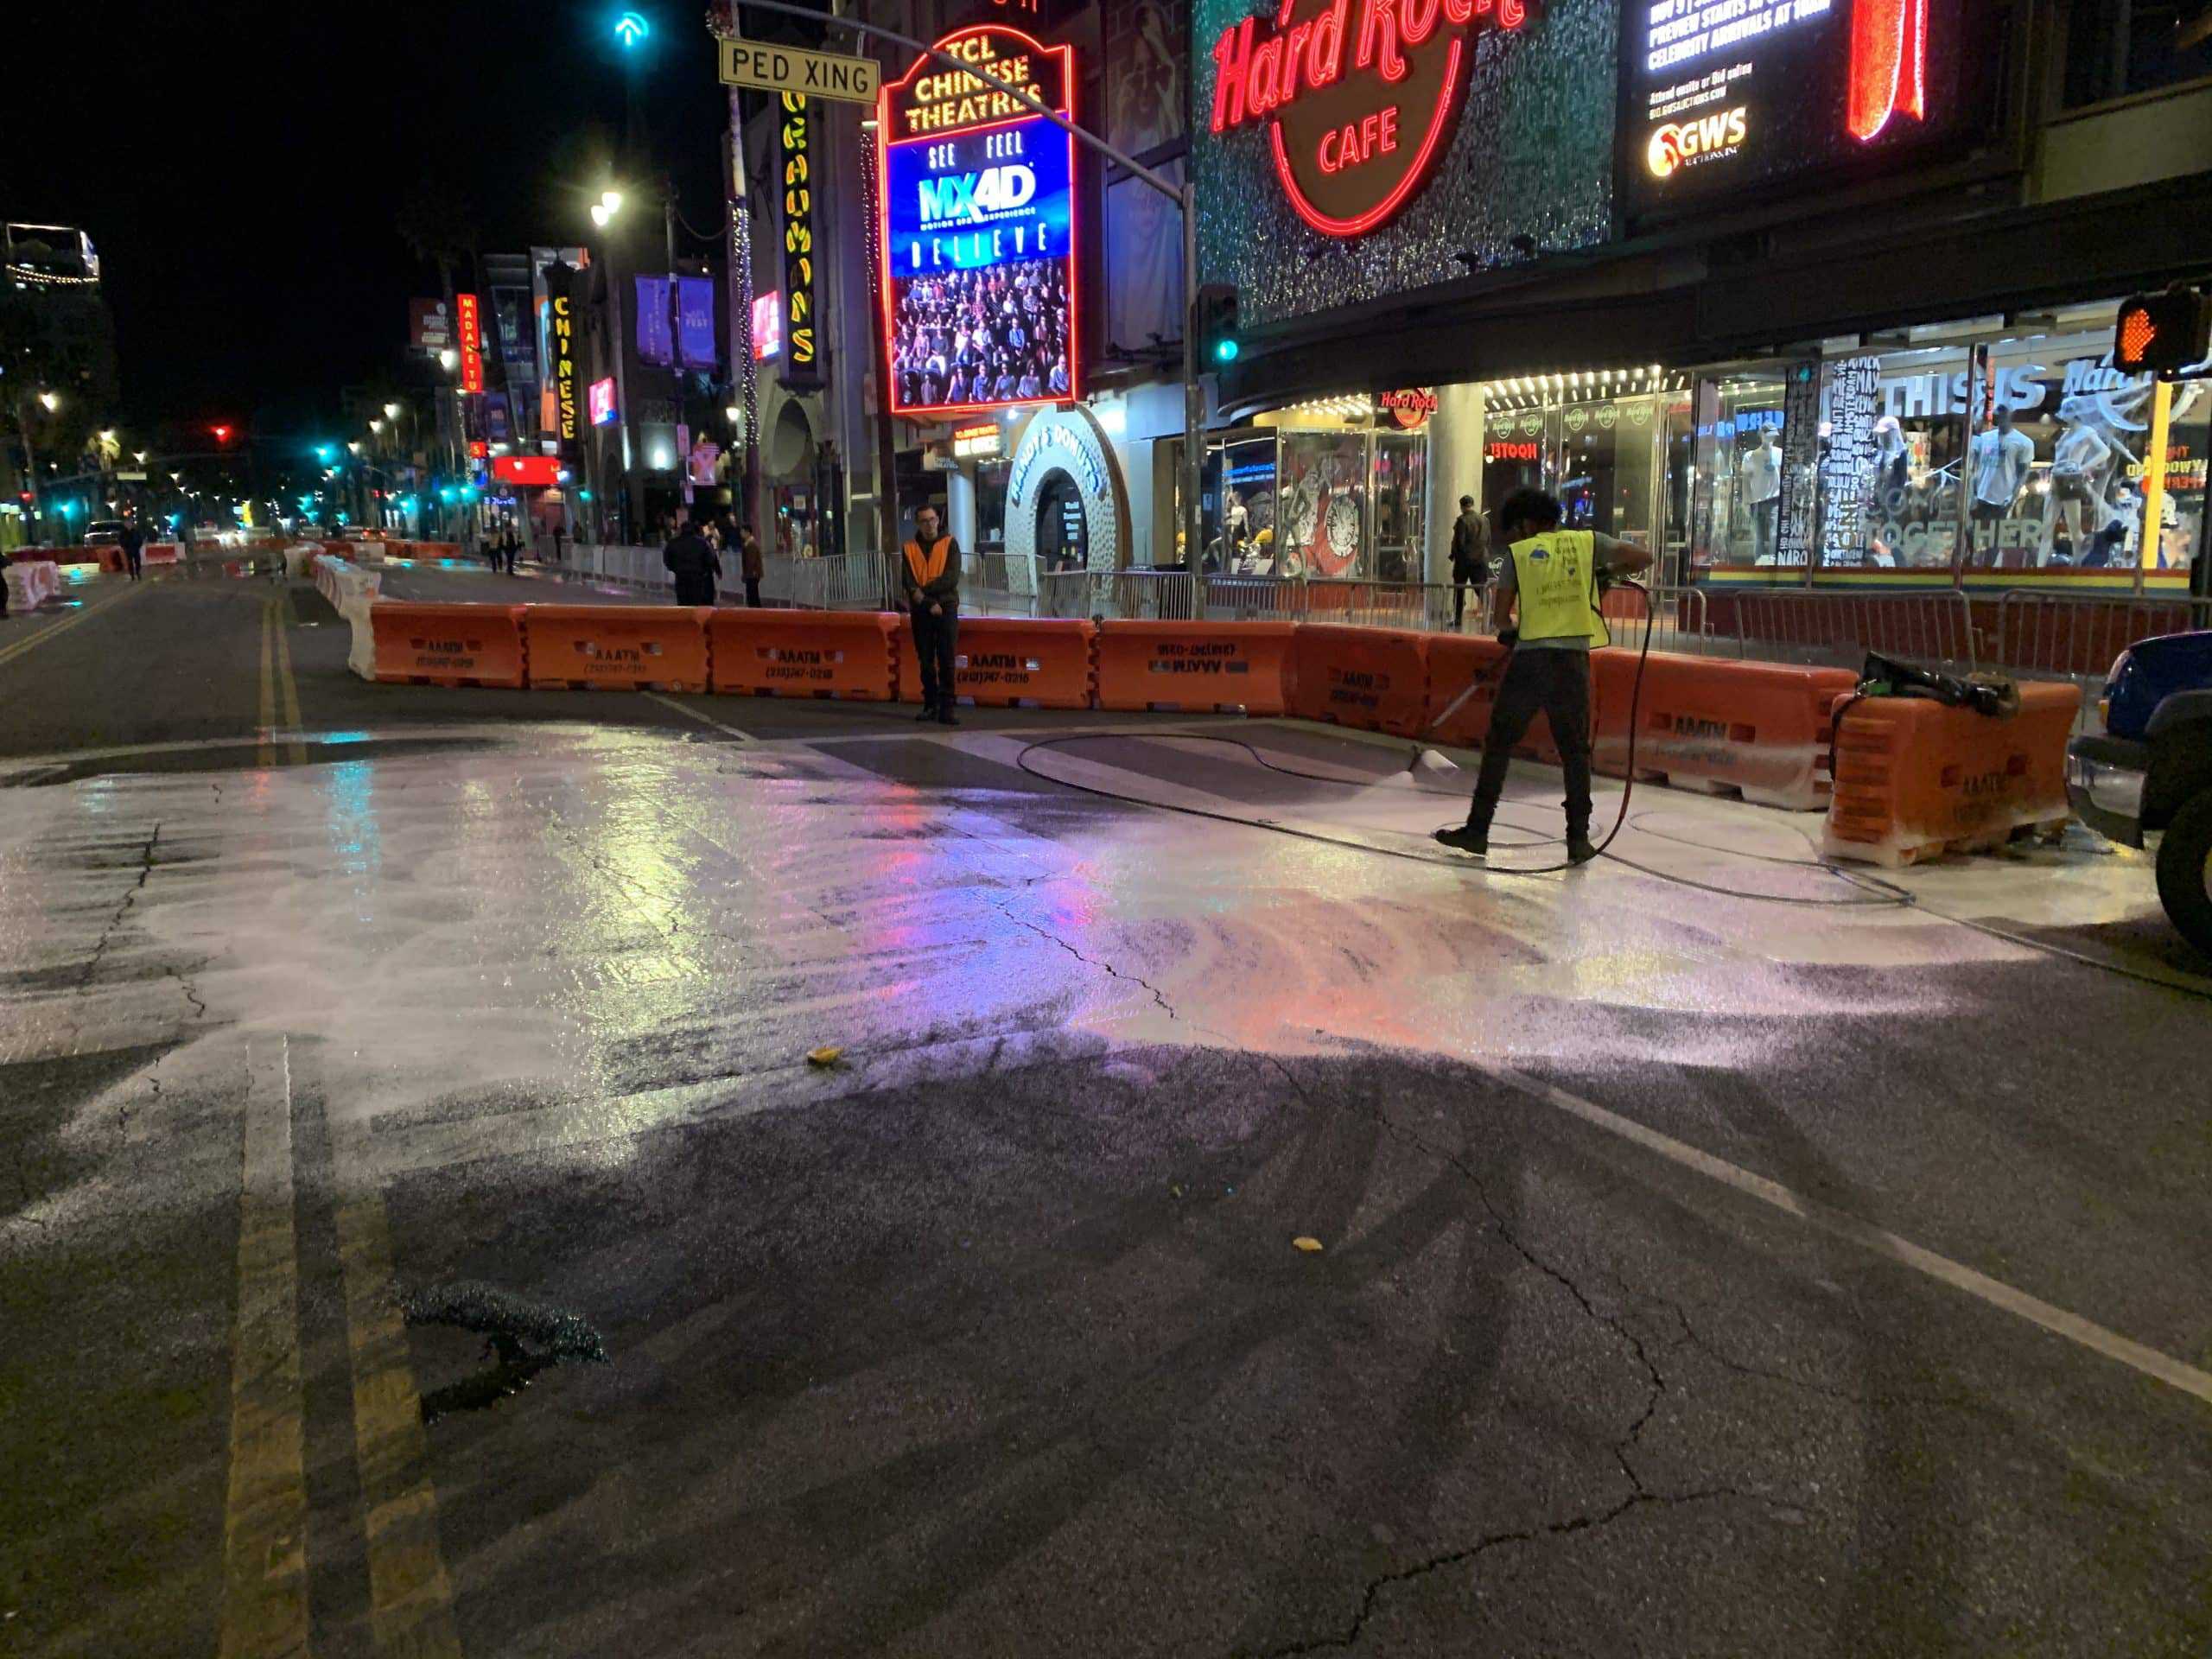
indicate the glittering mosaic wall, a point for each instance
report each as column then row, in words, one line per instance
column 1533, row 156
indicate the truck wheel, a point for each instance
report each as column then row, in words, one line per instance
column 2185, row 870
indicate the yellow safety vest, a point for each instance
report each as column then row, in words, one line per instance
column 926, row 567
column 1556, row 575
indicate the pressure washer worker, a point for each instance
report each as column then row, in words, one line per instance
column 1551, row 576
column 933, row 584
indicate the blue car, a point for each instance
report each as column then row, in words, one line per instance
column 2149, row 770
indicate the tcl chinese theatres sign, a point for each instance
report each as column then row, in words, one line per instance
column 1359, row 96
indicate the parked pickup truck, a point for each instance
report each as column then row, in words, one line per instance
column 2149, row 770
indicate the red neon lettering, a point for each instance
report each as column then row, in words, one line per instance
column 1325, row 51
column 1267, row 69
column 1378, row 39
column 1231, row 53
column 1417, row 20
column 1457, row 12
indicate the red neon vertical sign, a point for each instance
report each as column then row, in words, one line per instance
column 1889, row 64
column 472, row 359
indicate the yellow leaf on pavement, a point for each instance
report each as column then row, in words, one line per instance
column 1309, row 1245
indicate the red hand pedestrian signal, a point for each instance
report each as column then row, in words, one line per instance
column 2137, row 331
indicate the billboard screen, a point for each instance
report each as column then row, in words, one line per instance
column 1722, row 96
column 978, row 230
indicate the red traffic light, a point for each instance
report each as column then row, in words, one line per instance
column 2161, row 333
column 222, row 434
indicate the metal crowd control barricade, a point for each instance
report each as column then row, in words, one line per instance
column 1255, row 599
column 1836, row 630
column 2077, row 636
column 1678, row 620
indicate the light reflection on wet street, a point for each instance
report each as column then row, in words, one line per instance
column 989, row 1336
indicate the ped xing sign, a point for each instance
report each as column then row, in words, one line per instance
column 807, row 75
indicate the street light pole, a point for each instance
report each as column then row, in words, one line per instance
column 1185, row 196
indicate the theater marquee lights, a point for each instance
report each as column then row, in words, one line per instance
column 978, row 228
column 1360, row 97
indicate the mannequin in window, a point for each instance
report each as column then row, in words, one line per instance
column 2000, row 458
column 1762, row 473
column 2077, row 460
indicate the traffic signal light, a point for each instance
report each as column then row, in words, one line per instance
column 222, row 434
column 2162, row 334
column 1213, row 319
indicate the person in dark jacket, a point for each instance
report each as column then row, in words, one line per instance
column 1469, row 556
column 931, row 579
column 133, row 543
column 691, row 562
column 750, row 564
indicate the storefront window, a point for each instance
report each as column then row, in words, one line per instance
column 1741, row 472
column 1400, row 505
column 990, row 508
column 1321, row 504
column 1239, row 502
column 2116, row 47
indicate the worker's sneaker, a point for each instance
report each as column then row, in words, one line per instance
column 1579, row 849
column 1465, row 839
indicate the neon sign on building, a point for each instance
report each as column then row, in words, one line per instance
column 1360, row 97
column 978, row 228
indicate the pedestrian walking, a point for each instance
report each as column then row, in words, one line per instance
column 510, row 548
column 1470, row 557
column 691, row 563
column 751, row 563
column 133, row 543
column 1551, row 576
column 932, row 586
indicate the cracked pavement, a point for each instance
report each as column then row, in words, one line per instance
column 990, row 1337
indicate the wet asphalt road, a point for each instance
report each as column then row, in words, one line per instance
column 991, row 1338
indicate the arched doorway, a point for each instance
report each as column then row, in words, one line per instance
column 1062, row 530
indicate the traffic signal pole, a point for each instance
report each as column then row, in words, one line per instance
column 1185, row 196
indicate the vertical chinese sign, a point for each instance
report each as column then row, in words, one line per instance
column 560, row 342
column 795, row 149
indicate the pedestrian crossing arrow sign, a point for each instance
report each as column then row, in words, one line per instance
column 807, row 75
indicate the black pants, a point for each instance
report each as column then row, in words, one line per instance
column 695, row 590
column 132, row 559
column 753, row 592
column 1460, row 589
column 934, row 639
column 1552, row 682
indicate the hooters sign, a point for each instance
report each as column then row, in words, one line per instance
column 1359, row 96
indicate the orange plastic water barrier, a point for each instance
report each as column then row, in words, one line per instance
column 1457, row 662
column 1915, row 778
column 1009, row 660
column 616, row 647
column 1195, row 665
column 779, row 653
column 1375, row 678
column 448, row 645
column 1714, row 723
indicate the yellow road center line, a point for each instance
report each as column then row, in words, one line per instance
column 265, row 1612
column 266, row 755
column 410, row 1600
column 8, row 654
column 299, row 748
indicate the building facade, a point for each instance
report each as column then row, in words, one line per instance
column 1799, row 292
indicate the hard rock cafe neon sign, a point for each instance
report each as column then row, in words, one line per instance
column 1359, row 96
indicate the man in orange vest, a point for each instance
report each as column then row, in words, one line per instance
column 933, row 584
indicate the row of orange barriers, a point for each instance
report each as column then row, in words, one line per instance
column 1759, row 729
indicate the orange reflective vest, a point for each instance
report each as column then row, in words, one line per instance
column 926, row 567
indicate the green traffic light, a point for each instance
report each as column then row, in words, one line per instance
column 631, row 28
column 1224, row 350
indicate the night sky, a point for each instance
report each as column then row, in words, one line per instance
column 241, row 167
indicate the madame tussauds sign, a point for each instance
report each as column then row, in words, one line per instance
column 1359, row 96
